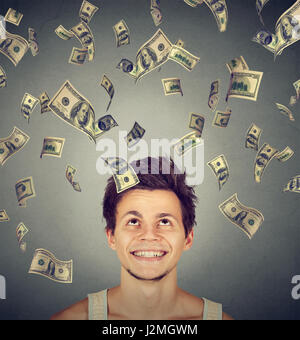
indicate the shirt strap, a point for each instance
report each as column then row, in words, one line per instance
column 212, row 310
column 98, row 305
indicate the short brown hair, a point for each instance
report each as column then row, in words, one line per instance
column 157, row 179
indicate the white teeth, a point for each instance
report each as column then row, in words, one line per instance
column 149, row 253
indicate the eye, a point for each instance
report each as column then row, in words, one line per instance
column 133, row 221
column 165, row 222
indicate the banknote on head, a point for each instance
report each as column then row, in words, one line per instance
column 13, row 16
column 52, row 146
column 24, row 190
column 44, row 263
column 183, row 57
column 3, row 216
column 172, row 86
column 87, row 11
column 237, row 64
column 3, row 78
column 247, row 219
column 196, row 123
column 220, row 168
column 122, row 34
column 12, row 144
column 220, row 12
column 293, row 185
column 253, row 136
column 222, row 118
column 44, row 101
column 263, row 159
column 14, row 47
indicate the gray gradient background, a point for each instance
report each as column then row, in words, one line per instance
column 251, row 278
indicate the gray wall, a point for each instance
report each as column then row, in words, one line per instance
column 251, row 278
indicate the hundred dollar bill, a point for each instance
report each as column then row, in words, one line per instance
column 180, row 43
column 237, row 64
column 46, row 264
column 70, row 174
column 156, row 16
column 220, row 168
column 13, row 16
column 14, row 47
column 263, row 159
column 197, row 122
column 69, row 105
column 244, row 85
column 221, row 119
column 253, row 136
column 33, row 43
column 3, row 78
column 285, row 111
column 293, row 185
column 213, row 99
column 24, row 190
column 151, row 55
column 123, row 173
column 21, row 231
column 126, row 65
column 293, row 100
column 63, row 33
column 104, row 124
column 297, row 88
column 29, row 102
column 78, row 56
column 84, row 34
column 219, row 9
column 12, row 144
column 266, row 39
column 3, row 216
column 285, row 155
column 260, row 4
column 194, row 3
column 44, row 101
column 87, row 11
column 247, row 219
column 134, row 135
column 187, row 142
column 107, row 84
column 52, row 146
column 121, row 33
column 172, row 86
column 183, row 57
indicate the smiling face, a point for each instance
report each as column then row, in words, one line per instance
column 149, row 236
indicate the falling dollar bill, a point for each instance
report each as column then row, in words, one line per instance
column 244, row 85
column 187, row 142
column 63, row 33
column 69, row 105
column 33, row 43
column 194, row 3
column 14, row 47
column 293, row 99
column 183, row 57
column 107, row 84
column 3, row 216
column 221, row 118
column 123, row 173
column 70, row 174
column 260, row 4
column 293, row 185
column 126, row 65
column 29, row 102
column 252, row 137
column 287, row 28
column 84, row 34
column 219, row 10
column 220, row 168
column 122, row 34
column 285, row 155
column 3, row 78
column 24, row 190
column 237, row 65
column 13, row 16
column 151, row 55
column 104, row 124
column 213, row 99
column 52, row 146
column 12, row 144
column 46, row 264
column 180, row 43
column 21, row 231
column 172, row 86
column 196, row 123
column 263, row 159
column 87, row 11
column 134, row 135
column 156, row 16
column 286, row 112
column 266, row 39
column 247, row 219
column 44, row 101
column 78, row 56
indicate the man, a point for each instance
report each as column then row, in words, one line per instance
column 149, row 226
column 288, row 24
column 148, row 58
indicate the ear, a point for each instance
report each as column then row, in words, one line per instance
column 189, row 240
column 111, row 239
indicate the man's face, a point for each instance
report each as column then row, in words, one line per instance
column 146, row 57
column 149, row 223
column 287, row 27
column 83, row 113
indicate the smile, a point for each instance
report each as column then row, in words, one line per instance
column 148, row 255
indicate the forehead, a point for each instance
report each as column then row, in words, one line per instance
column 150, row 202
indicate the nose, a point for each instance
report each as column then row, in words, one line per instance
column 149, row 233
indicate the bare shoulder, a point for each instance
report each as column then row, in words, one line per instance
column 77, row 311
column 226, row 317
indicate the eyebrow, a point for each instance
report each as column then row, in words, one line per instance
column 137, row 214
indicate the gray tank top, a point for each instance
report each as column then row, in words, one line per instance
column 98, row 307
